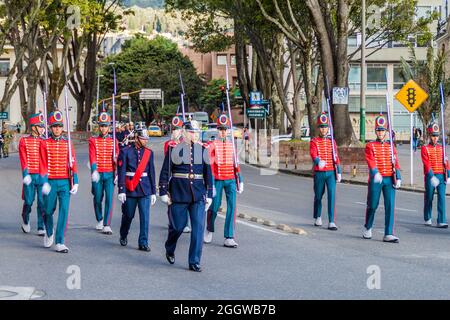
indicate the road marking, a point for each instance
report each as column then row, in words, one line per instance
column 262, row 186
column 399, row 209
column 256, row 227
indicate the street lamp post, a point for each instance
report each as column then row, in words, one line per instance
column 362, row 116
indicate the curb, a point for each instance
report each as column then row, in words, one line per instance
column 268, row 223
column 346, row 181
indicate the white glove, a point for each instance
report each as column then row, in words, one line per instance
column 448, row 180
column 165, row 199
column 153, row 199
column 322, row 164
column 46, row 188
column 208, row 203
column 27, row 180
column 434, row 181
column 74, row 189
column 122, row 197
column 398, row 184
column 241, row 187
column 378, row 178
column 339, row 177
column 95, row 176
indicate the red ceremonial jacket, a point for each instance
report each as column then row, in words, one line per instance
column 222, row 161
column 321, row 148
column 29, row 154
column 378, row 157
column 433, row 159
column 54, row 159
column 101, row 153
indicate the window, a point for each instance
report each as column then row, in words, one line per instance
column 423, row 11
column 374, row 104
column 399, row 81
column 4, row 68
column 354, row 77
column 221, row 59
column 233, row 60
column 376, row 78
column 352, row 41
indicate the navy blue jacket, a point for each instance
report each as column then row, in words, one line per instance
column 177, row 161
column 128, row 161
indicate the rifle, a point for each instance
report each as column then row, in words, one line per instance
column 391, row 138
column 114, row 124
column 235, row 158
column 66, row 105
column 333, row 149
column 182, row 94
column 444, row 154
column 44, row 95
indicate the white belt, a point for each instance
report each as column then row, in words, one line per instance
column 131, row 174
column 188, row 176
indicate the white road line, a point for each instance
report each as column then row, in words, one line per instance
column 262, row 186
column 255, row 226
column 399, row 209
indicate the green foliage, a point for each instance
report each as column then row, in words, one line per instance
column 428, row 74
column 212, row 96
column 152, row 64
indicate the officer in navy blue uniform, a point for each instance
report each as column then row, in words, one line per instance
column 137, row 186
column 185, row 184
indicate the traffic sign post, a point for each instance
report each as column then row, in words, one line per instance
column 150, row 94
column 411, row 96
column 256, row 113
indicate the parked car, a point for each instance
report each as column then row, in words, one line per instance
column 154, row 131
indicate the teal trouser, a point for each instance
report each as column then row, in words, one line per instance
column 429, row 194
column 104, row 188
column 29, row 193
column 59, row 193
column 230, row 193
column 373, row 199
column 322, row 179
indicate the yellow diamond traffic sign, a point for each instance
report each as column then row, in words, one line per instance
column 411, row 96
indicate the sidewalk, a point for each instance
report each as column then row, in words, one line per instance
column 305, row 170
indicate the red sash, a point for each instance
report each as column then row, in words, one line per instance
column 131, row 184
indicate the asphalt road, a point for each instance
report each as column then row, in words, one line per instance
column 269, row 264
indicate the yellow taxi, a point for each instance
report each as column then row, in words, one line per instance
column 154, row 131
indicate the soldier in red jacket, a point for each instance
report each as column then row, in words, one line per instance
column 383, row 177
column 227, row 178
column 101, row 157
column 327, row 171
column 59, row 175
column 436, row 172
column 32, row 186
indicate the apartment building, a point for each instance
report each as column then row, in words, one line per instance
column 384, row 76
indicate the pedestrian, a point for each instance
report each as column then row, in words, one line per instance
column 137, row 187
column 327, row 171
column 227, row 177
column 383, row 177
column 415, row 139
column 103, row 167
column 7, row 138
column 185, row 183
column 436, row 172
column 60, row 180
column 32, row 186
column 2, row 141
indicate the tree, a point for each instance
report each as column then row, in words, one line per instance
column 428, row 74
column 213, row 96
column 152, row 64
column 333, row 21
